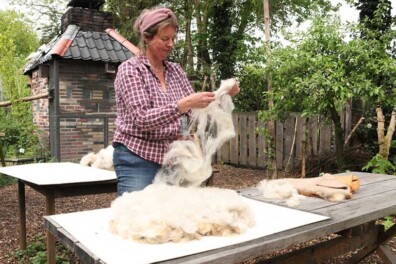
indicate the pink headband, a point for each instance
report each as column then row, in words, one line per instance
column 153, row 17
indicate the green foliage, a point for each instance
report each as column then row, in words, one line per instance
column 16, row 34
column 254, row 82
column 321, row 70
column 44, row 16
column 377, row 31
column 17, row 41
column 225, row 30
column 388, row 222
column 31, row 250
column 368, row 17
column 286, row 12
column 308, row 76
column 20, row 138
column 126, row 12
column 35, row 253
column 380, row 165
column 6, row 180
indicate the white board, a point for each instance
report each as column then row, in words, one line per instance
column 90, row 229
column 57, row 173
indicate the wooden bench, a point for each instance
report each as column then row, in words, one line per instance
column 19, row 161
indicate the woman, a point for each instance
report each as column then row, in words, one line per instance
column 152, row 95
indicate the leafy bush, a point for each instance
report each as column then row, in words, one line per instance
column 20, row 138
column 35, row 253
column 6, row 180
column 253, row 83
column 17, row 41
column 379, row 164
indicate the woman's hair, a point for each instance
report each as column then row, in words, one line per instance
column 146, row 17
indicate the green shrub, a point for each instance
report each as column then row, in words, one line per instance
column 6, row 180
column 379, row 164
column 35, row 253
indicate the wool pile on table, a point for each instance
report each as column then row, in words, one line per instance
column 161, row 213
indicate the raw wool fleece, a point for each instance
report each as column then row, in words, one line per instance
column 188, row 162
column 162, row 213
column 333, row 188
column 102, row 160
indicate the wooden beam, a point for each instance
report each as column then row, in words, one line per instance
column 26, row 99
column 322, row 251
column 386, row 254
column 367, row 250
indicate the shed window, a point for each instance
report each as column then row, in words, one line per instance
column 69, row 93
column 87, row 94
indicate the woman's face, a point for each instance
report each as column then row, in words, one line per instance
column 162, row 43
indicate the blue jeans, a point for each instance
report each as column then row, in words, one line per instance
column 133, row 172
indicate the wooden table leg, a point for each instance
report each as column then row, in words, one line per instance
column 372, row 246
column 22, row 215
column 50, row 210
column 2, row 159
column 386, row 254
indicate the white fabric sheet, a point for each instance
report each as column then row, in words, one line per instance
column 57, row 173
column 90, row 229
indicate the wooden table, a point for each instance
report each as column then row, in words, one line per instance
column 353, row 223
column 56, row 180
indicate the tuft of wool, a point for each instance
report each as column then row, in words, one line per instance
column 88, row 159
column 188, row 162
column 102, row 160
column 162, row 213
column 280, row 189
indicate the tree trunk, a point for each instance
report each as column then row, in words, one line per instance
column 222, row 40
column 385, row 141
column 338, row 138
column 271, row 123
column 204, row 62
column 189, row 53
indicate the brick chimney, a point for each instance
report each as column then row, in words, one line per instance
column 86, row 15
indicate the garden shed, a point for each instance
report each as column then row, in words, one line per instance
column 72, row 76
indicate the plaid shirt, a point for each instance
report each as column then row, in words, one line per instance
column 147, row 117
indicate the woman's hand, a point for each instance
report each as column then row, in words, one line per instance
column 195, row 100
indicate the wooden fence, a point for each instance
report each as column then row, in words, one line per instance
column 294, row 136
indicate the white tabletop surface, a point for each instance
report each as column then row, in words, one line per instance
column 57, row 173
column 90, row 228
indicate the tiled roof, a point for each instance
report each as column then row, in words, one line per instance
column 80, row 45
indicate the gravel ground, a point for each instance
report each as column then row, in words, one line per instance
column 228, row 177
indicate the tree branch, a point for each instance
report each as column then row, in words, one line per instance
column 353, row 130
column 25, row 99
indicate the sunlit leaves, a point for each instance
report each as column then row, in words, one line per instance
column 16, row 42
